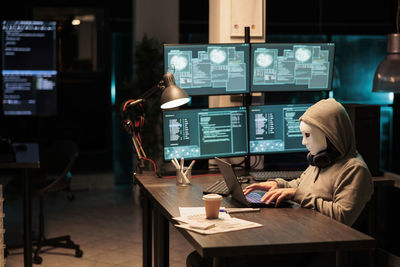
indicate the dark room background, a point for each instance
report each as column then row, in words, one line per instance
column 92, row 86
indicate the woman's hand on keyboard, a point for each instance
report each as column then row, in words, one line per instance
column 265, row 186
column 277, row 195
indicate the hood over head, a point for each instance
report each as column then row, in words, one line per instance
column 333, row 120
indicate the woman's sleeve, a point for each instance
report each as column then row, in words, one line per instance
column 352, row 191
column 282, row 183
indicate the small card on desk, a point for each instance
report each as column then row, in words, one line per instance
column 201, row 225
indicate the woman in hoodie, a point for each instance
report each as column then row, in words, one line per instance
column 337, row 182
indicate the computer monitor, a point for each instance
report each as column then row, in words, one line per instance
column 209, row 69
column 276, row 128
column 29, row 68
column 278, row 67
column 205, row 133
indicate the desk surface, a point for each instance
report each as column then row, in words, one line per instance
column 25, row 159
column 285, row 230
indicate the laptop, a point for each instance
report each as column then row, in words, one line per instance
column 253, row 199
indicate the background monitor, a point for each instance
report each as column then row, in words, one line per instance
column 29, row 68
column 209, row 69
column 205, row 133
column 280, row 67
column 276, row 128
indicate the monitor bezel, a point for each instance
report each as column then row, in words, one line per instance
column 248, row 68
column 305, row 150
column 36, row 115
column 278, row 88
column 207, row 109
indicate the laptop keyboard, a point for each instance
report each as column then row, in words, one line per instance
column 219, row 187
column 265, row 175
column 254, row 197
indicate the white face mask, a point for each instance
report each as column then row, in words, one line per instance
column 313, row 138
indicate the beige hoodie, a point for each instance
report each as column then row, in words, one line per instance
column 341, row 190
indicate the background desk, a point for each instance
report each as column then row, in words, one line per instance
column 285, row 230
column 372, row 206
column 25, row 160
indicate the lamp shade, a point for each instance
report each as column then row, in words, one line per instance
column 172, row 96
column 387, row 75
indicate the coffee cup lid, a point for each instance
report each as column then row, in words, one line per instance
column 212, row 197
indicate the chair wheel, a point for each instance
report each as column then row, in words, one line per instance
column 78, row 253
column 37, row 260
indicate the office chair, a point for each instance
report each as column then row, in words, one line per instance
column 54, row 173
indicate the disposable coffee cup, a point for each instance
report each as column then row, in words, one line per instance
column 182, row 180
column 212, row 204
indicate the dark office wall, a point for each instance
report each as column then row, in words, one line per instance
column 84, row 99
column 330, row 17
column 301, row 17
column 193, row 21
column 84, row 104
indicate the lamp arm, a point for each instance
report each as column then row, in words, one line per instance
column 144, row 96
column 154, row 89
column 136, row 145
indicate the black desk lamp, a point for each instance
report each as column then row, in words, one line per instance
column 172, row 96
column 387, row 79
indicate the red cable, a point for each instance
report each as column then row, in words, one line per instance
column 140, row 140
column 127, row 102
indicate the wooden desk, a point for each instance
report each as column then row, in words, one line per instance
column 25, row 160
column 285, row 230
